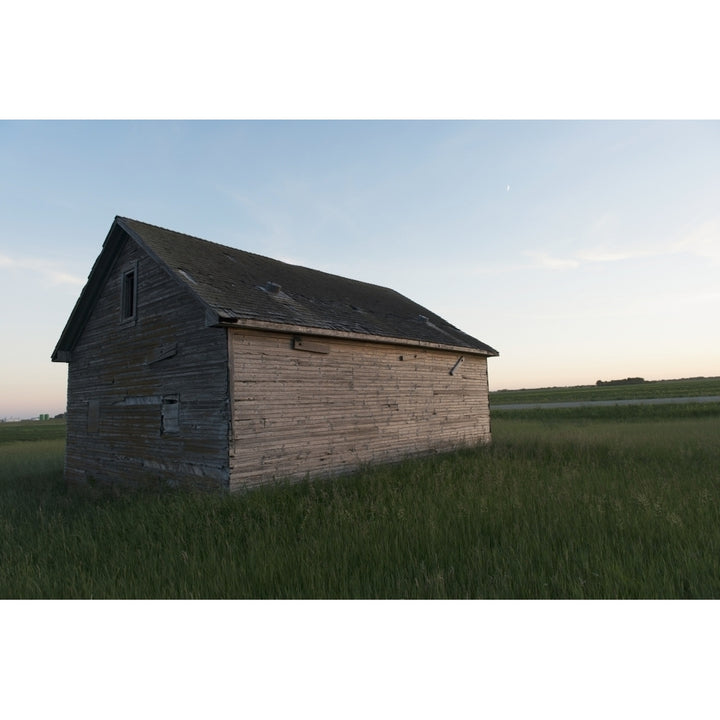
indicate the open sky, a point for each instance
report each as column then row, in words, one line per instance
column 581, row 250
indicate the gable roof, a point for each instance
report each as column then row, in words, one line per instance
column 239, row 287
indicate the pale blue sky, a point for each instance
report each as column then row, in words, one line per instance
column 580, row 250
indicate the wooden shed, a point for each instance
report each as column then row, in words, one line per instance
column 198, row 365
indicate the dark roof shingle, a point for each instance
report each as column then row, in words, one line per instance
column 242, row 285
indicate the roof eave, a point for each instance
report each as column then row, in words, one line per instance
column 250, row 324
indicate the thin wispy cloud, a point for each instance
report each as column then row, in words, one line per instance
column 702, row 242
column 590, row 257
column 610, row 256
column 43, row 268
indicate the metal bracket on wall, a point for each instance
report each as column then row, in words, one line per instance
column 459, row 362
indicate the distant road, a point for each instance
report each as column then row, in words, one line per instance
column 598, row 403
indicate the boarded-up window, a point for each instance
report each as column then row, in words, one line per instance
column 170, row 415
column 93, row 424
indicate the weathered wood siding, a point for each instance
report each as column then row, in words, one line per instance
column 326, row 405
column 147, row 398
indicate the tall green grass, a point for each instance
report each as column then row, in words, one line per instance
column 558, row 507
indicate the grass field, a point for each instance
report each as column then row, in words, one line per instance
column 32, row 430
column 580, row 503
column 691, row 387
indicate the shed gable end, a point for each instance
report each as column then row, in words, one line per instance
column 147, row 394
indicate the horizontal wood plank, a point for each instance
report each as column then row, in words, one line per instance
column 360, row 402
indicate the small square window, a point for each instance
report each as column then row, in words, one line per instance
column 170, row 415
column 128, row 302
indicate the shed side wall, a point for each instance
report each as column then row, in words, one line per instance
column 296, row 412
column 147, row 398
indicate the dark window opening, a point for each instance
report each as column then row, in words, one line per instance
column 129, row 294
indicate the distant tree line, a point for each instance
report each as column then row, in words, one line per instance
column 626, row 381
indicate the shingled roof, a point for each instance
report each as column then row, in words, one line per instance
column 245, row 288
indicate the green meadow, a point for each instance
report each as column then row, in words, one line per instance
column 689, row 387
column 605, row 502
